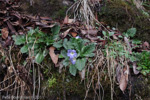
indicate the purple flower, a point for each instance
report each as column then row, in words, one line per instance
column 73, row 60
column 71, row 54
column 77, row 37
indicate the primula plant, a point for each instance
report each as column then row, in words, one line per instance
column 75, row 53
column 35, row 42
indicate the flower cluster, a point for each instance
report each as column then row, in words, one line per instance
column 72, row 55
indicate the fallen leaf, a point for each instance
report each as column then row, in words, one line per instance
column 66, row 20
column 92, row 32
column 70, row 21
column 13, row 31
column 4, row 33
column 60, row 67
column 129, row 46
column 145, row 45
column 8, row 41
column 115, row 37
column 83, row 32
column 66, row 32
column 123, row 82
column 118, row 73
column 134, row 68
column 82, row 74
column 53, row 56
column 74, row 34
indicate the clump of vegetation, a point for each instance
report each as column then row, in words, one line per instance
column 75, row 52
column 35, row 42
column 144, row 62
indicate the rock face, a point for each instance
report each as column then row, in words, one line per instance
column 125, row 15
column 120, row 14
column 53, row 8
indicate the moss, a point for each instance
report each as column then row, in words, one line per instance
column 124, row 15
column 64, row 82
column 52, row 8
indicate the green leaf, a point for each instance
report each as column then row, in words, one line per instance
column 67, row 44
column 40, row 56
column 31, row 39
column 139, row 68
column 19, row 39
column 87, row 51
column 58, row 44
column 120, row 36
column 40, row 40
column 49, row 41
column 132, row 58
column 104, row 33
column 100, row 38
column 66, row 62
column 135, row 41
column 24, row 49
column 80, row 63
column 55, row 30
column 40, row 34
column 60, row 56
column 64, row 53
column 79, row 44
column 111, row 33
column 131, row 32
column 73, row 70
column 31, row 31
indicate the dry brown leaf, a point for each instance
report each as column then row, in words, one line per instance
column 11, row 27
column 129, row 46
column 145, row 45
column 82, row 74
column 60, row 67
column 134, row 68
column 66, row 32
column 115, row 37
column 4, row 33
column 53, row 56
column 66, row 20
column 83, row 32
column 92, row 32
column 123, row 82
column 74, row 34
column 70, row 21
column 118, row 73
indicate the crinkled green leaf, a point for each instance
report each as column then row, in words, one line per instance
column 80, row 63
column 67, row 44
column 111, row 33
column 87, row 51
column 30, row 32
column 55, row 29
column 131, row 32
column 40, row 56
column 73, row 70
column 104, row 33
column 24, row 49
column 66, row 62
column 64, row 53
column 135, row 41
column 19, row 39
column 58, row 44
